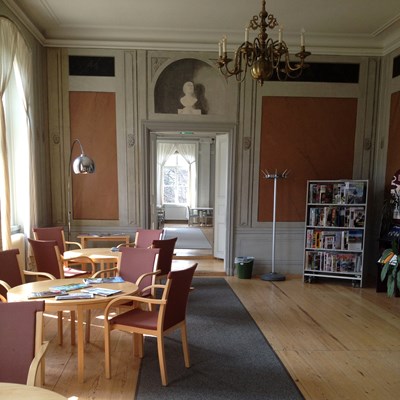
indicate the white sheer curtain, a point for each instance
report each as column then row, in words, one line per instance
column 23, row 66
column 164, row 151
column 8, row 45
column 188, row 152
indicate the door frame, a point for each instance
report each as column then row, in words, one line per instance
column 149, row 132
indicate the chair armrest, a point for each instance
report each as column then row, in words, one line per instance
column 131, row 244
column 5, row 285
column 74, row 244
column 80, row 260
column 35, row 273
column 33, row 369
column 141, row 277
column 98, row 273
column 135, row 299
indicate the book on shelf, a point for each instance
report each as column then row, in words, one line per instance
column 354, row 240
column 70, row 286
column 355, row 192
column 75, row 296
column 105, row 292
column 94, row 281
column 46, row 294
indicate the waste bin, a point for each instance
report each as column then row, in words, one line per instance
column 244, row 266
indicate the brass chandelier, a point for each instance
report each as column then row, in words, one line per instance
column 264, row 56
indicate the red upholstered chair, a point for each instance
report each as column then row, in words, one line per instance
column 144, row 238
column 136, row 265
column 49, row 261
column 21, row 345
column 57, row 233
column 11, row 274
column 170, row 315
column 167, row 247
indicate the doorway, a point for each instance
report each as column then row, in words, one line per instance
column 154, row 134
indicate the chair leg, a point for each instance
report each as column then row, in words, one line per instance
column 138, row 345
column 60, row 327
column 185, row 346
column 72, row 315
column 161, row 359
column 107, row 355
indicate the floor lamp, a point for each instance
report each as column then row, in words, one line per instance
column 81, row 165
column 274, row 276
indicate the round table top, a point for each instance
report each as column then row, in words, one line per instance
column 22, row 292
column 94, row 253
column 11, row 391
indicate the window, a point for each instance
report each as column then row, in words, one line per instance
column 175, row 179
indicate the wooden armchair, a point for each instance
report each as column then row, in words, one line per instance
column 21, row 345
column 11, row 274
column 167, row 247
column 136, row 265
column 144, row 238
column 50, row 262
column 170, row 315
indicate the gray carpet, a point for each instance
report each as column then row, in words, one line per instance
column 230, row 358
column 188, row 238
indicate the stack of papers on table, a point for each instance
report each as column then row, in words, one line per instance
column 70, row 286
column 101, row 291
column 75, row 296
column 46, row 294
column 113, row 279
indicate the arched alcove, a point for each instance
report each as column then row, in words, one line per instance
column 208, row 87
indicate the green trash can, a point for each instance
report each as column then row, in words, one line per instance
column 244, row 266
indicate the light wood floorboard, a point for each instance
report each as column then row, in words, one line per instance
column 337, row 342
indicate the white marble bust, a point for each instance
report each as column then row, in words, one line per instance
column 188, row 100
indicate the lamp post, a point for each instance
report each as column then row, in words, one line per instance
column 81, row 165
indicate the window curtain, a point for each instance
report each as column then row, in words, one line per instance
column 188, row 152
column 164, row 151
column 8, row 45
column 23, row 62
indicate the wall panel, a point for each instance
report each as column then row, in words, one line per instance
column 314, row 138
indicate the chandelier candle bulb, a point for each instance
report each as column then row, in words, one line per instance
column 220, row 48
column 246, row 34
column 224, row 44
column 280, row 35
column 302, row 38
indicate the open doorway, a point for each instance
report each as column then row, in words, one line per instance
column 185, row 191
column 158, row 131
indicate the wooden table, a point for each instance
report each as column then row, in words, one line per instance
column 15, row 391
column 21, row 293
column 103, row 238
column 102, row 256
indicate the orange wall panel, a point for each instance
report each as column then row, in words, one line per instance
column 393, row 161
column 314, row 139
column 93, row 122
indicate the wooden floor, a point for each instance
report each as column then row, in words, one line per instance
column 337, row 342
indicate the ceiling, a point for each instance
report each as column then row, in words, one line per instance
column 353, row 27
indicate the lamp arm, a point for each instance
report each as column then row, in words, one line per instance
column 69, row 208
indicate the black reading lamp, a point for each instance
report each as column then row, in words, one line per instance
column 81, row 165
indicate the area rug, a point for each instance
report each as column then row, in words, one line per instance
column 188, row 238
column 230, row 357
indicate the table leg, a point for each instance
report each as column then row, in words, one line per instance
column 81, row 345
